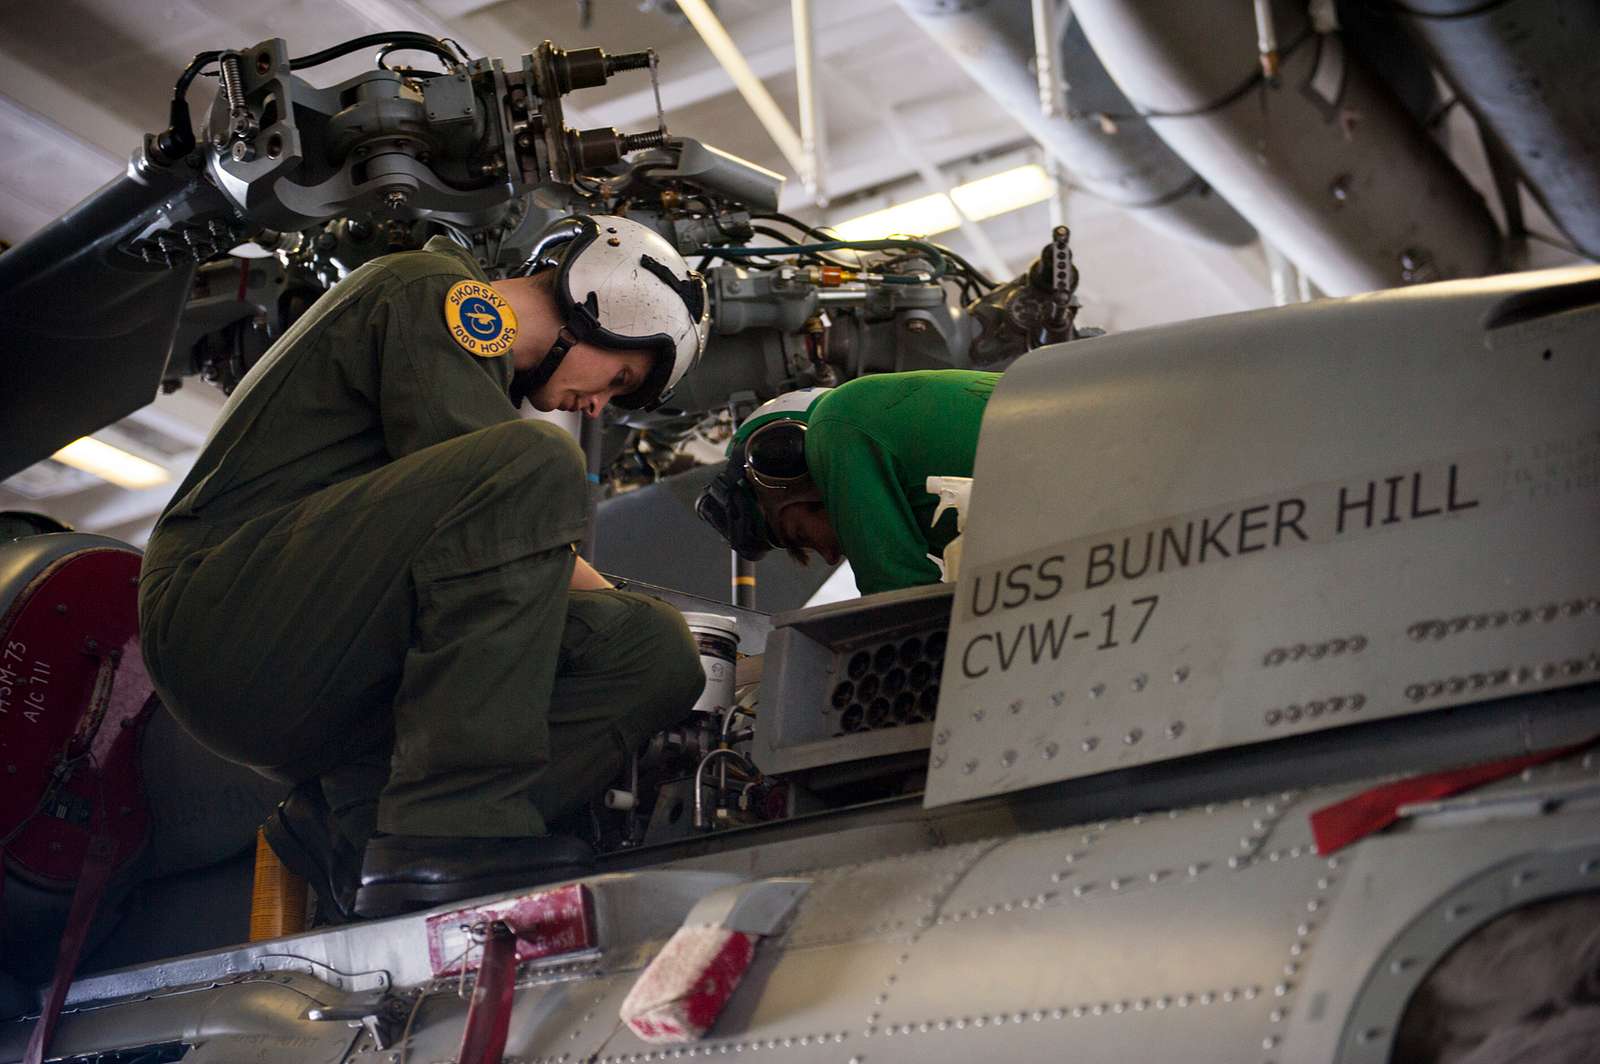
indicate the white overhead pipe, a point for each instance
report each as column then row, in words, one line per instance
column 1326, row 164
column 770, row 115
column 812, row 133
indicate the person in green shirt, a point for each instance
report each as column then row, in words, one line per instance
column 368, row 584
column 843, row 472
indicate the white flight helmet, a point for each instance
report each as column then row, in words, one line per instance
column 620, row 284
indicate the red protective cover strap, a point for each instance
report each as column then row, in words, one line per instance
column 489, row 1016
column 97, row 868
column 1337, row 826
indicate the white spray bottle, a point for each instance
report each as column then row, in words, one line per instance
column 953, row 492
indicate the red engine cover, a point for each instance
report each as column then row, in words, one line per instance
column 73, row 694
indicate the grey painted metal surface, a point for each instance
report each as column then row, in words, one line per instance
column 1527, row 72
column 992, row 40
column 851, row 680
column 1327, row 165
column 1276, row 522
column 1207, row 933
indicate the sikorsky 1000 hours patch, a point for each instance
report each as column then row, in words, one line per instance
column 480, row 319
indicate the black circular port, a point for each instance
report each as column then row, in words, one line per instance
column 920, row 674
column 859, row 664
column 842, row 694
column 893, row 680
column 928, row 701
column 853, row 719
column 910, row 651
column 884, row 658
column 867, row 687
column 905, row 707
column 933, row 646
column 878, row 713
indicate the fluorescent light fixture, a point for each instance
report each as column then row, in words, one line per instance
column 1008, row 190
column 111, row 464
column 922, row 216
column 986, row 197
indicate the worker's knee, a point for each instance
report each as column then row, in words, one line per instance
column 534, row 450
column 537, row 465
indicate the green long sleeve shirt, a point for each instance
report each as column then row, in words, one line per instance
column 871, row 445
column 370, row 374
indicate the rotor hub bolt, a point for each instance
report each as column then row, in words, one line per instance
column 396, row 198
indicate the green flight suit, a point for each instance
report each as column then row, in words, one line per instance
column 364, row 579
column 871, row 445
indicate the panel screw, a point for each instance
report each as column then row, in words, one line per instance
column 1138, row 682
column 1008, row 759
column 969, row 768
column 1090, row 743
column 1180, row 674
column 1175, row 729
column 61, row 607
column 1097, row 690
column 1133, row 736
column 1050, row 750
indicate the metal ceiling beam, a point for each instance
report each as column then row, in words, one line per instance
column 895, row 125
column 690, row 76
column 766, row 109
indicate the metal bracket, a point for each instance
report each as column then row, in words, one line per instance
column 757, row 908
column 382, row 1017
column 1478, row 809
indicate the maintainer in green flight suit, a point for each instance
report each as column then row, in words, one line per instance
column 843, row 471
column 369, row 579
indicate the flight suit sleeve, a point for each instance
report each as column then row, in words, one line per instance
column 432, row 389
column 861, row 488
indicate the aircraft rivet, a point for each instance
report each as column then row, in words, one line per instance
column 1283, row 989
column 1016, row 705
column 943, row 736
column 970, row 767
column 1371, row 1034
column 1138, row 682
column 1269, row 1042
column 1050, row 750
column 938, row 760
column 979, row 714
column 1090, row 743
column 1057, row 697
column 1133, row 736
column 1196, row 869
column 1589, row 867
column 1174, row 729
column 1008, row 759
column 1097, row 690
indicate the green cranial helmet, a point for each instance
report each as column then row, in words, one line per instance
column 766, row 469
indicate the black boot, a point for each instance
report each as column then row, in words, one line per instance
column 306, row 838
column 402, row 873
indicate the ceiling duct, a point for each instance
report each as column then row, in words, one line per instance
column 1325, row 163
column 1527, row 71
column 1122, row 162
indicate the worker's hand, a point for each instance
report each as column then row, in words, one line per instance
column 586, row 578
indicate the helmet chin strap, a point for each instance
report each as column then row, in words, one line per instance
column 525, row 382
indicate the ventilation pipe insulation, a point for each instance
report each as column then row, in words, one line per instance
column 1324, row 162
column 1126, row 164
column 1526, row 69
